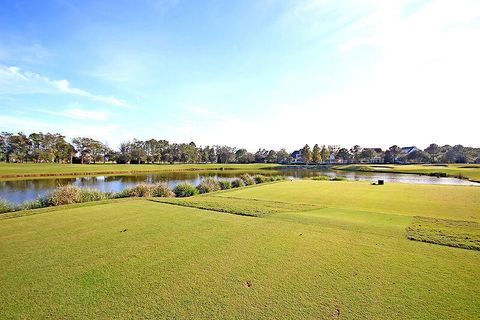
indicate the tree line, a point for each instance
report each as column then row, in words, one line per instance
column 432, row 154
column 50, row 148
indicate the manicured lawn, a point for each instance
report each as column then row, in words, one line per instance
column 347, row 259
column 36, row 170
column 441, row 201
column 470, row 171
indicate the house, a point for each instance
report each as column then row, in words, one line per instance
column 405, row 151
column 378, row 155
column 408, row 150
column 332, row 158
column 297, row 156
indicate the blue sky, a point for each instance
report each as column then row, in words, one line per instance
column 246, row 73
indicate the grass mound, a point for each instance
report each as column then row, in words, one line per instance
column 244, row 207
column 446, row 232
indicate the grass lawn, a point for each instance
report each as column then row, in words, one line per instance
column 349, row 258
column 469, row 171
column 38, row 170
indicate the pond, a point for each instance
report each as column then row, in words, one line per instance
column 18, row 191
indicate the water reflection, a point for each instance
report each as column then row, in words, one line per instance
column 21, row 190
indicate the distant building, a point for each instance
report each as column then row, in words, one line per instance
column 297, row 156
column 378, row 158
column 405, row 151
column 332, row 158
column 408, row 150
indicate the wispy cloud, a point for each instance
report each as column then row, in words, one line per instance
column 80, row 114
column 13, row 80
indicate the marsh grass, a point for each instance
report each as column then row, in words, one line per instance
column 185, row 190
column 225, row 184
column 446, row 232
column 5, row 206
column 67, row 194
column 247, row 179
column 320, row 178
column 260, row 178
column 209, row 185
column 238, row 183
column 161, row 189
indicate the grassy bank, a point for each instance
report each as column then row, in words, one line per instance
column 331, row 250
column 10, row 171
column 464, row 171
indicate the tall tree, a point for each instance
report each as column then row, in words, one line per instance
column 316, row 154
column 434, row 151
column 325, row 153
column 343, row 154
column 367, row 154
column 283, row 156
column 355, row 151
column 394, row 152
column 307, row 154
column 19, row 147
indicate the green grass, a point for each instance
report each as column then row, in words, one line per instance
column 453, row 233
column 246, row 207
column 351, row 257
column 466, row 171
column 441, row 201
column 10, row 171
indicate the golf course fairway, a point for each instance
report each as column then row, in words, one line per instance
column 284, row 250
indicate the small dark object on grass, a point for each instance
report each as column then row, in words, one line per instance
column 336, row 313
column 381, row 182
column 248, row 284
column 124, row 230
column 300, row 234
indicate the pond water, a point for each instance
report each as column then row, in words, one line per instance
column 18, row 191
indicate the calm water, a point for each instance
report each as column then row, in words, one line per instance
column 22, row 190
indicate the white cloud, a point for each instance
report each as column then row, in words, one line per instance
column 15, row 81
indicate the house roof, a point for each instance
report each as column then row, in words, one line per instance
column 408, row 149
column 296, row 153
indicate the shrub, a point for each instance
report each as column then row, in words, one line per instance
column 208, row 185
column 122, row 194
column 247, row 179
column 87, row 195
column 161, row 189
column 224, row 184
column 260, row 178
column 141, row 190
column 338, row 178
column 65, row 195
column 237, row 183
column 5, row 206
column 34, row 204
column 185, row 190
column 277, row 178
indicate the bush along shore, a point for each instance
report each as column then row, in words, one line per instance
column 70, row 194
